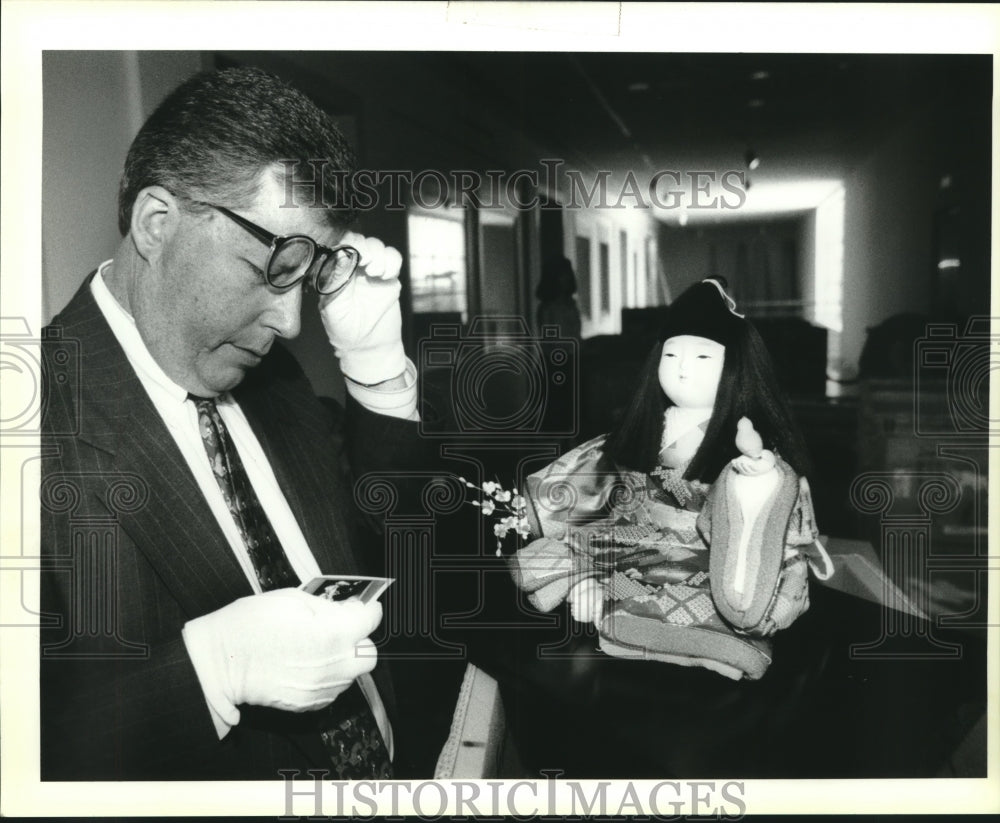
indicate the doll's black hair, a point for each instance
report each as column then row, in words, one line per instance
column 747, row 388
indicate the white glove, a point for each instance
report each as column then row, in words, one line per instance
column 284, row 649
column 363, row 320
column 586, row 601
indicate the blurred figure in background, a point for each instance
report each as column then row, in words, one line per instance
column 557, row 303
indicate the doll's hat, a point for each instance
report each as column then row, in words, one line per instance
column 703, row 310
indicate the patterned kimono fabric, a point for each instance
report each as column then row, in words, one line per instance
column 643, row 536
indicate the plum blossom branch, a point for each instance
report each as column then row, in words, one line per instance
column 509, row 508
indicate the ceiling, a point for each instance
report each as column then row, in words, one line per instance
column 810, row 118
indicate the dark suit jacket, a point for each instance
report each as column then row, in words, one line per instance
column 131, row 551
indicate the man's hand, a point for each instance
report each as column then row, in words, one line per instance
column 284, row 649
column 363, row 320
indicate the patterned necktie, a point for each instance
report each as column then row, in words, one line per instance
column 351, row 737
column 268, row 558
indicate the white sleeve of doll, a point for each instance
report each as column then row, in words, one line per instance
column 751, row 492
column 802, row 536
column 547, row 569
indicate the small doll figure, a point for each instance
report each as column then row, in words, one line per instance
column 685, row 534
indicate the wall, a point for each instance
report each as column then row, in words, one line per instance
column 93, row 104
column 691, row 253
column 627, row 289
column 887, row 234
column 807, row 259
column 938, row 159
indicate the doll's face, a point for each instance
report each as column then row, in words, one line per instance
column 690, row 369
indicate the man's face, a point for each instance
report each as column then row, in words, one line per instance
column 206, row 311
column 690, row 369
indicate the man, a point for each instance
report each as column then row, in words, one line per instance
column 192, row 480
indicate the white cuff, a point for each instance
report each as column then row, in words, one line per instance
column 224, row 714
column 372, row 365
column 400, row 402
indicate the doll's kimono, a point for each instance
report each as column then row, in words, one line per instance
column 666, row 549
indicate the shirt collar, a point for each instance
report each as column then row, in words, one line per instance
column 153, row 378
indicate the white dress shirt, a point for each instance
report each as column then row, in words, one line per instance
column 181, row 419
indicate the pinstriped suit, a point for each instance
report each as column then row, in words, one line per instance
column 132, row 551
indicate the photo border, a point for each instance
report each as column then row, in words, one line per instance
column 29, row 28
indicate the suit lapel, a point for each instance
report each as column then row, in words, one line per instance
column 174, row 527
column 170, row 522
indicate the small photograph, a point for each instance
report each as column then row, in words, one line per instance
column 341, row 587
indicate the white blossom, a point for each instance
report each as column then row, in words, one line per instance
column 509, row 507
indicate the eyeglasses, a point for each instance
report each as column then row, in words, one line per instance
column 294, row 257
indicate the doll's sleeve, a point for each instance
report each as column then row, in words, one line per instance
column 547, row 569
column 569, row 490
column 802, row 539
column 572, row 490
column 802, row 528
column 759, row 578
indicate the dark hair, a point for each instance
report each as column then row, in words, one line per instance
column 211, row 138
column 556, row 271
column 747, row 388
